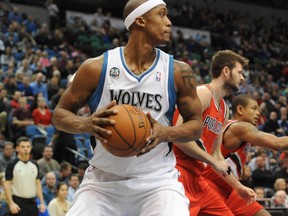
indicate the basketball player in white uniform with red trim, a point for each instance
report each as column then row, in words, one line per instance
column 143, row 76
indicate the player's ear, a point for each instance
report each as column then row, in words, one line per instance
column 239, row 109
column 226, row 71
column 140, row 21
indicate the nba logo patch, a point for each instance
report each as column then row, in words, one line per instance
column 158, row 76
column 115, row 72
column 90, row 169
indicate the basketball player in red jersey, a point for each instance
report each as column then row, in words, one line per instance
column 238, row 136
column 227, row 69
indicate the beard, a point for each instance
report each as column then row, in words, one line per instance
column 230, row 86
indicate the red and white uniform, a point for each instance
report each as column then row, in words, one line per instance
column 203, row 199
column 237, row 160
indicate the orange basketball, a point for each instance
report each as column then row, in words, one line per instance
column 129, row 132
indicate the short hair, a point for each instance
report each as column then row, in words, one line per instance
column 8, row 143
column 72, row 175
column 242, row 100
column 48, row 146
column 224, row 58
column 83, row 166
column 22, row 139
column 64, row 165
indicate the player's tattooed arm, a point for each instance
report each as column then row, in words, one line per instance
column 187, row 99
column 188, row 103
column 78, row 104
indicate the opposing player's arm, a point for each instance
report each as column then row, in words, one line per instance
column 216, row 151
column 242, row 131
column 76, row 96
column 193, row 150
column 188, row 104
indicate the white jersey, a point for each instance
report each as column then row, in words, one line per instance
column 152, row 91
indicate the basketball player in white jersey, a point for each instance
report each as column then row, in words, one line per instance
column 141, row 75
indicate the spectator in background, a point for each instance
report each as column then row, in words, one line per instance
column 74, row 183
column 25, row 69
column 62, row 175
column 283, row 122
column 56, row 97
column 282, row 172
column 42, row 36
column 21, row 118
column 279, row 199
column 81, row 170
column 261, row 176
column 260, row 197
column 6, row 58
column 49, row 187
column 280, row 184
column 59, row 206
column 259, row 151
column 26, row 89
column 246, row 177
column 272, row 126
column 42, row 115
column 260, row 192
column 60, row 142
column 3, row 110
column 44, row 60
column 268, row 103
column 47, row 163
column 53, row 87
column 11, row 86
column 37, row 67
column 53, row 11
column 14, row 102
column 39, row 86
column 34, row 103
column 53, row 66
column 7, row 156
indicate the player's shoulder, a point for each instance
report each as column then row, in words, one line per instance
column 181, row 67
column 203, row 88
column 205, row 95
column 91, row 65
column 239, row 126
column 93, row 61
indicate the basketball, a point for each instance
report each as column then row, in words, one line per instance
column 129, row 132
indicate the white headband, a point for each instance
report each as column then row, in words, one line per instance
column 140, row 10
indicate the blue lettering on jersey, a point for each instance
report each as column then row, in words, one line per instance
column 139, row 99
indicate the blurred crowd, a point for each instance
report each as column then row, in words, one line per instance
column 38, row 60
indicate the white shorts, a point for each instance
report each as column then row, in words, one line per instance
column 104, row 194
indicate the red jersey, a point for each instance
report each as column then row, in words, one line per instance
column 235, row 158
column 213, row 119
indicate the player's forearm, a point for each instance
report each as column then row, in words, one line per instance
column 186, row 132
column 233, row 181
column 193, row 150
column 68, row 121
column 282, row 143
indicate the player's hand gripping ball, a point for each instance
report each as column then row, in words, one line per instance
column 129, row 132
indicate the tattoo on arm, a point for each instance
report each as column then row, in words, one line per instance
column 185, row 110
column 79, row 104
column 188, row 78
